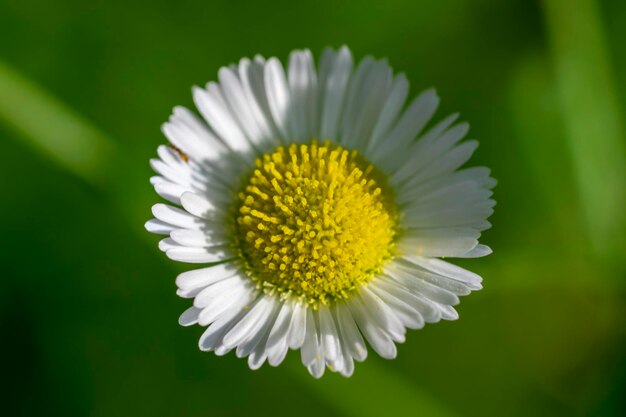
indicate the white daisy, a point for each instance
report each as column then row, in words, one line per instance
column 320, row 204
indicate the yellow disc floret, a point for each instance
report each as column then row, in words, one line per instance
column 314, row 221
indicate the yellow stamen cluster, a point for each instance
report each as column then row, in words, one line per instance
column 315, row 222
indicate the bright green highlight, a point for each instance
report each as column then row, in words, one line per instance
column 592, row 117
column 53, row 129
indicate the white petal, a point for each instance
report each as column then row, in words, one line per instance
column 350, row 334
column 383, row 315
column 419, row 286
column 448, row 312
column 329, row 340
column 317, row 367
column 474, row 178
column 425, row 307
column 251, row 74
column 436, row 242
column 377, row 337
column 191, row 136
column 251, row 322
column 297, row 328
column 213, row 335
column 451, row 192
column 391, row 110
column 237, row 298
column 276, row 347
column 352, row 95
column 199, row 255
column 449, row 217
column 425, row 149
column 234, row 95
column 409, row 316
column 310, row 349
column 430, row 148
column 478, row 252
column 170, row 191
column 258, row 334
column 369, row 102
column 158, row 227
column 278, row 96
column 460, row 198
column 217, row 289
column 169, row 156
column 222, row 350
column 167, row 244
column 348, row 364
column 198, row 205
column 333, row 90
column 176, row 217
column 257, row 357
column 198, row 238
column 448, row 284
column 214, row 108
column 447, row 269
column 199, row 278
column 178, row 175
column 188, row 293
column 189, row 316
column 406, row 129
column 447, row 163
column 337, row 364
column 303, row 93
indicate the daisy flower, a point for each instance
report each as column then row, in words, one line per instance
column 321, row 205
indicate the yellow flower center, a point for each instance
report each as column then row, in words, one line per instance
column 315, row 222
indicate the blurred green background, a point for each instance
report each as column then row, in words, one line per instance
column 88, row 307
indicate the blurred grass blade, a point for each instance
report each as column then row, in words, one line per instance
column 66, row 138
column 361, row 394
column 54, row 130
column 539, row 133
column 592, row 118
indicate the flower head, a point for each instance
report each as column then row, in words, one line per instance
column 321, row 205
